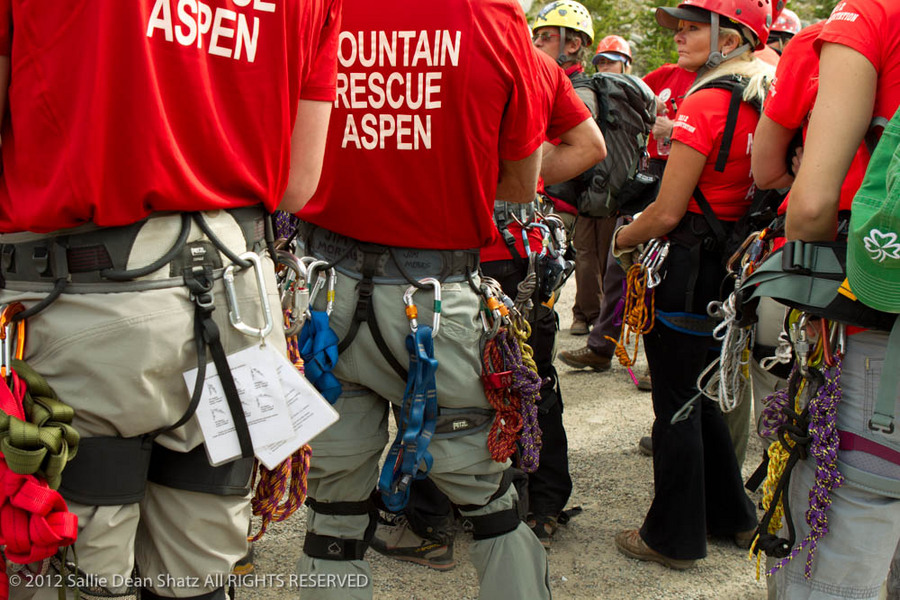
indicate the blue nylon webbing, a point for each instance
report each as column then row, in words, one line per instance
column 418, row 418
column 319, row 350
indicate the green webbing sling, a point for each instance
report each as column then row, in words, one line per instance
column 47, row 441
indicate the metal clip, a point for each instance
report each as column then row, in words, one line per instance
column 12, row 335
column 412, row 312
column 322, row 279
column 492, row 307
column 234, row 315
column 294, row 291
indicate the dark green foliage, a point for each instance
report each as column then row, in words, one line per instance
column 651, row 44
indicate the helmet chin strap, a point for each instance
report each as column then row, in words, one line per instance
column 563, row 58
column 715, row 57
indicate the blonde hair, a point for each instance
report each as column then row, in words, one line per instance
column 747, row 65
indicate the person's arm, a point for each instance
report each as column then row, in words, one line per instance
column 518, row 178
column 771, row 143
column 662, row 128
column 580, row 148
column 682, row 173
column 843, row 111
column 307, row 152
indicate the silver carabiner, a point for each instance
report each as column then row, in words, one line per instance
column 488, row 294
column 322, row 279
column 294, row 291
column 234, row 314
column 412, row 312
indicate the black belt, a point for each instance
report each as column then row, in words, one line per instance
column 89, row 257
column 390, row 265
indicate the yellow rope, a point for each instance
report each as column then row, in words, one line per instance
column 639, row 316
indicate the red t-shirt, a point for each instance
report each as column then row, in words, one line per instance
column 700, row 124
column 120, row 109
column 561, row 109
column 429, row 98
column 768, row 55
column 670, row 83
column 792, row 95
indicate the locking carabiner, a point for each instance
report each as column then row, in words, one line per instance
column 412, row 312
column 294, row 291
column 13, row 340
column 322, row 279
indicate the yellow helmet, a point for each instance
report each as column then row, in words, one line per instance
column 566, row 13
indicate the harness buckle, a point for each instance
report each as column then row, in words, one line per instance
column 234, row 315
column 884, row 424
column 412, row 312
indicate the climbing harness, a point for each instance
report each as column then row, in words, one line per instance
column 418, row 413
column 639, row 312
column 803, row 418
column 36, row 441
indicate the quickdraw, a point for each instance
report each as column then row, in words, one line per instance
column 639, row 314
column 511, row 382
column 802, row 431
column 37, row 440
column 408, row 457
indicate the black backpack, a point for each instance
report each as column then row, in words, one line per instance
column 626, row 112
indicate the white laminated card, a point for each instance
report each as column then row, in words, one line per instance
column 311, row 414
column 262, row 399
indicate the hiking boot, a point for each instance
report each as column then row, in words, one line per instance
column 579, row 328
column 543, row 527
column 645, row 384
column 585, row 357
column 245, row 565
column 645, row 446
column 395, row 539
column 631, row 544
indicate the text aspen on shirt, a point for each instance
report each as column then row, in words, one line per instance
column 406, row 86
column 222, row 32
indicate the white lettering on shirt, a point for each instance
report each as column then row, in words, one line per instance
column 232, row 34
column 409, row 77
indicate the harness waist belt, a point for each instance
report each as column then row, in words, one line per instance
column 84, row 253
column 394, row 265
column 504, row 212
column 852, row 441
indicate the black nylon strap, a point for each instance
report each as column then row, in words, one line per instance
column 485, row 527
column 212, row 339
column 734, row 107
column 362, row 507
column 710, row 216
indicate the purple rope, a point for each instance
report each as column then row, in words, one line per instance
column 619, row 310
column 285, row 224
column 823, row 447
column 527, row 384
column 773, row 415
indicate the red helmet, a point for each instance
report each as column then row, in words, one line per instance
column 613, row 43
column 787, row 22
column 756, row 15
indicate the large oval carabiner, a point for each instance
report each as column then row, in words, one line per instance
column 412, row 312
column 234, row 314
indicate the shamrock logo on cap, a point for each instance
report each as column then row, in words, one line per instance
column 882, row 245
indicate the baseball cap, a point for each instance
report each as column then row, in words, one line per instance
column 873, row 242
column 610, row 56
column 668, row 17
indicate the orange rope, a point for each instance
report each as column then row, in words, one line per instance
column 508, row 420
column 639, row 316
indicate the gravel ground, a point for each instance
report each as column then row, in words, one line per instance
column 605, row 416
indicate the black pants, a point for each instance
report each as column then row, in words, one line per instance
column 697, row 481
column 550, row 486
